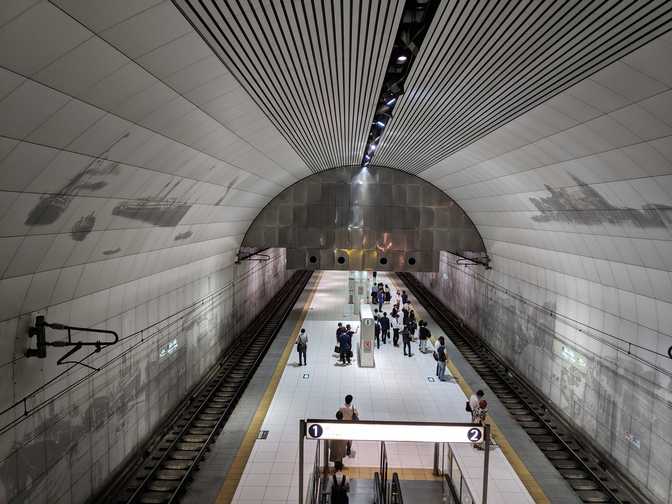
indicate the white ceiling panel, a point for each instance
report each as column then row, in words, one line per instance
column 315, row 69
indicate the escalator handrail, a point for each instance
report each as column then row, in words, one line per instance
column 396, row 495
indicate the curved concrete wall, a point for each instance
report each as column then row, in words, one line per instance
column 574, row 201
column 131, row 165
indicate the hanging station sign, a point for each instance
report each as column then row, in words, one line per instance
column 419, row 432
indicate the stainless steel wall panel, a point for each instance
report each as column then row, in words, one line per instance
column 367, row 214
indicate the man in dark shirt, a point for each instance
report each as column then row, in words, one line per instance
column 346, row 344
column 376, row 330
column 384, row 327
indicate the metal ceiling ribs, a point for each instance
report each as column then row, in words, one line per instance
column 485, row 63
column 314, row 68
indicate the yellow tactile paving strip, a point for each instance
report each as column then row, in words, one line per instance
column 404, row 474
column 521, row 470
column 523, row 473
column 235, row 472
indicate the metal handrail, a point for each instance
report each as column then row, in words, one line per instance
column 377, row 497
column 457, row 483
column 396, row 496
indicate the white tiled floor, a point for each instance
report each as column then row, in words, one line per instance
column 396, row 389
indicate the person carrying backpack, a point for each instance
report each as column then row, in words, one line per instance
column 339, row 485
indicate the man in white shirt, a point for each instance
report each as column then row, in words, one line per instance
column 396, row 327
column 349, row 413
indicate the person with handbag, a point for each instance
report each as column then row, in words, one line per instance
column 349, row 413
column 302, row 346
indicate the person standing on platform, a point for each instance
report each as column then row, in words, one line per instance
column 404, row 315
column 396, row 327
column 385, row 327
column 344, row 343
column 337, row 447
column 406, row 338
column 397, row 298
column 441, row 358
column 339, row 330
column 350, row 414
column 412, row 326
column 374, row 293
column 473, row 404
column 381, row 299
column 480, row 415
column 423, row 335
column 302, row 346
column 376, row 330
column 388, row 294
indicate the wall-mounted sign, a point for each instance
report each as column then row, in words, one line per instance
column 168, row 348
column 393, row 431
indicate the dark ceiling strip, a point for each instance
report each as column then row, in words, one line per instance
column 416, row 19
column 541, row 54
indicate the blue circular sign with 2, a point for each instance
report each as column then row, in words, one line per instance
column 474, row 435
column 315, row 430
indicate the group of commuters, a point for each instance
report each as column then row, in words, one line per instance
column 338, row 450
column 344, row 343
column 401, row 320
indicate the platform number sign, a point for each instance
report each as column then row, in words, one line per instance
column 315, row 431
column 474, row 435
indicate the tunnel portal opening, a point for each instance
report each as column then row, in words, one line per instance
column 364, row 219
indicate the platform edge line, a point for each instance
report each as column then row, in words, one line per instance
column 233, row 476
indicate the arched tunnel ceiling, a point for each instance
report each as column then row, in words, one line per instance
column 125, row 142
column 314, row 68
column 485, row 63
column 133, row 160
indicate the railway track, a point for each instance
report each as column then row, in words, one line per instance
column 177, row 449
column 579, row 464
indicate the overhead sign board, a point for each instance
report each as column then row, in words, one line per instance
column 394, row 431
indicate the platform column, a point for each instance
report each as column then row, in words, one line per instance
column 366, row 337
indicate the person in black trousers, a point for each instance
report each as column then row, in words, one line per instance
column 406, row 338
column 385, row 327
column 376, row 330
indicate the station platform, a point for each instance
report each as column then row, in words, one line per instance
column 398, row 388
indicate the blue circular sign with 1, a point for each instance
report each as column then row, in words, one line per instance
column 315, row 430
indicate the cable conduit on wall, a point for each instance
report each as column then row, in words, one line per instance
column 579, row 326
column 176, row 318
